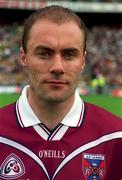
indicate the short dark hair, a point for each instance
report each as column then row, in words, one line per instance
column 56, row 14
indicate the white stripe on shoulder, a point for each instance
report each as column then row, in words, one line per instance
column 26, row 151
column 87, row 146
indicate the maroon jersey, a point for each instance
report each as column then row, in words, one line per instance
column 90, row 150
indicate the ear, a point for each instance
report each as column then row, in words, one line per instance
column 83, row 60
column 22, row 56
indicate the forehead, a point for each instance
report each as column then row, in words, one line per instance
column 53, row 34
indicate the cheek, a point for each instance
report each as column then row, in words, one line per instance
column 75, row 70
column 37, row 76
column 34, row 75
column 74, row 75
column 36, row 67
column 40, row 68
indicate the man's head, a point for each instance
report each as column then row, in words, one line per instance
column 53, row 51
column 56, row 14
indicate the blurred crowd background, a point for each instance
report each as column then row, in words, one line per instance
column 103, row 72
column 104, row 57
column 94, row 0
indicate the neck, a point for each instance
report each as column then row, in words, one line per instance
column 50, row 114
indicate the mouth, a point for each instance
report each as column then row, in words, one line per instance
column 56, row 83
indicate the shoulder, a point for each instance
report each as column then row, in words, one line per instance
column 7, row 118
column 99, row 111
column 7, row 110
column 101, row 117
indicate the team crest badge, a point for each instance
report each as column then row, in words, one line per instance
column 93, row 166
column 12, row 167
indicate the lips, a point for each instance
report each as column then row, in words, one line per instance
column 56, row 82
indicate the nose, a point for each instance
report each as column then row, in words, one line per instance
column 57, row 65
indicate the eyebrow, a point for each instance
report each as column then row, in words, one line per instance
column 42, row 47
column 73, row 49
column 46, row 48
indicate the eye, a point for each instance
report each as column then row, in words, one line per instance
column 43, row 52
column 69, row 54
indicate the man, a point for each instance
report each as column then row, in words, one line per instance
column 50, row 133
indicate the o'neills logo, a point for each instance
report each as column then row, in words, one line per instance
column 51, row 154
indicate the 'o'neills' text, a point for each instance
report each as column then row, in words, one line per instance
column 51, row 154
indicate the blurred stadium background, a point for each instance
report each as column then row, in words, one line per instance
column 101, row 82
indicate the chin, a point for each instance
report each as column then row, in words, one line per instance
column 57, row 98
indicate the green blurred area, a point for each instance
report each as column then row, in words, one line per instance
column 6, row 98
column 112, row 104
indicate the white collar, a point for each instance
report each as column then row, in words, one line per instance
column 27, row 117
